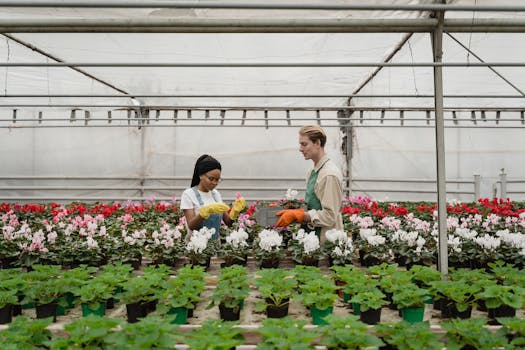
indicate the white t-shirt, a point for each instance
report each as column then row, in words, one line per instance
column 188, row 200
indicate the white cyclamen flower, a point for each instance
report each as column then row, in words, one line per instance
column 488, row 242
column 335, row 235
column 269, row 239
column 291, row 194
column 310, row 243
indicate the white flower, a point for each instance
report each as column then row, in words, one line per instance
column 291, row 194
column 335, row 235
column 488, row 242
column 91, row 243
column 269, row 239
column 466, row 233
column 376, row 240
column 364, row 233
column 237, row 239
column 310, row 243
column 52, row 236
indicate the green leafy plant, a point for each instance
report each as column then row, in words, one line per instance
column 194, row 278
column 496, row 295
column 286, row 334
column 372, row 298
column 514, row 330
column 410, row 336
column 276, row 286
column 410, row 296
column 89, row 332
column 471, row 332
column 461, row 294
column 423, row 275
column 318, row 292
column 152, row 332
column 138, row 289
column 178, row 293
column 95, row 293
column 232, row 288
column 347, row 333
column 305, row 273
column 214, row 334
column 26, row 334
column 8, row 297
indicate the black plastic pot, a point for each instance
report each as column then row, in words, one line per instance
column 229, row 314
column 47, row 310
column 370, row 316
column 270, row 263
column 110, row 303
column 454, row 313
column 280, row 311
column 501, row 311
column 6, row 313
column 135, row 311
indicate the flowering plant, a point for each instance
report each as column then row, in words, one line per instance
column 411, row 248
column 201, row 247
column 234, row 249
column 338, row 247
column 291, row 201
column 373, row 249
column 164, row 245
column 305, row 247
column 268, row 246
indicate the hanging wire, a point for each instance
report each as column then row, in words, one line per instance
column 413, row 69
column 470, row 34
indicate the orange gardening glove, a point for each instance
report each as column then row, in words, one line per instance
column 288, row 216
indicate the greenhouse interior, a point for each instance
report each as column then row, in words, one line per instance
column 298, row 174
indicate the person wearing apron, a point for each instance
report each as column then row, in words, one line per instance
column 202, row 203
column 324, row 189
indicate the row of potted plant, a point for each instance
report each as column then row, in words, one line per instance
column 366, row 290
column 405, row 233
column 95, row 332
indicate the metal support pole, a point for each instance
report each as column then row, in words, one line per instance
column 477, row 186
column 437, row 46
column 503, row 179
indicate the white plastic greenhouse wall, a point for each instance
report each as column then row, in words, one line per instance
column 486, row 137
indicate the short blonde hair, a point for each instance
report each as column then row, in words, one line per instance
column 314, row 133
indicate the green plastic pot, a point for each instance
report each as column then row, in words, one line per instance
column 355, row 307
column 413, row 315
column 318, row 315
column 181, row 315
column 99, row 311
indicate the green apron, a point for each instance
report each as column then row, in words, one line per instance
column 312, row 202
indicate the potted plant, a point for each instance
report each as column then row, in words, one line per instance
column 45, row 294
column 423, row 275
column 152, row 332
column 457, row 297
column 471, row 334
column 73, row 280
column 24, row 333
column 234, row 249
column 372, row 248
column 115, row 275
column 8, row 298
column 513, row 328
column 370, row 302
column 176, row 299
column 318, row 294
column 93, row 297
column 502, row 301
column 200, row 247
column 90, row 332
column 393, row 281
column 231, row 290
column 138, row 291
column 164, row 244
column 347, row 333
column 405, row 335
column 305, row 248
column 286, row 334
column 214, row 334
column 268, row 249
column 276, row 286
column 410, row 300
column 338, row 247
column 194, row 278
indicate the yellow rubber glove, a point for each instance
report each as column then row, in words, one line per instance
column 215, row 208
column 238, row 205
